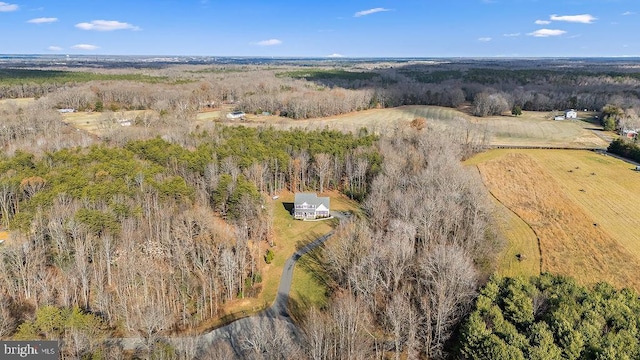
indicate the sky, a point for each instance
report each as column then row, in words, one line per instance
column 327, row 28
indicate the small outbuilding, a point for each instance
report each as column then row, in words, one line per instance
column 558, row 117
column 236, row 115
column 630, row 134
column 571, row 114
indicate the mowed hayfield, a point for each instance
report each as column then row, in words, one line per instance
column 581, row 207
column 375, row 120
column 534, row 128
column 530, row 129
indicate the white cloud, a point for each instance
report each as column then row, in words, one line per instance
column 43, row 20
column 370, row 11
column 542, row 22
column 5, row 7
column 547, row 33
column 334, row 55
column 54, row 48
column 627, row 13
column 583, row 19
column 484, row 39
column 270, row 42
column 511, row 35
column 106, row 25
column 84, row 47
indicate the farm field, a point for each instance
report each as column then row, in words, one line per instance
column 96, row 122
column 530, row 129
column 581, row 205
column 538, row 129
column 9, row 104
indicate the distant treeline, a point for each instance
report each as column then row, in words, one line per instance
column 300, row 92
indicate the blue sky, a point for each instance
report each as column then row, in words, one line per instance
column 310, row 28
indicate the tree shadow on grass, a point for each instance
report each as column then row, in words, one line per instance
column 312, row 262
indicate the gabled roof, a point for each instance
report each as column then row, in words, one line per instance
column 311, row 198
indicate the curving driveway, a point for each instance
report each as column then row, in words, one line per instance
column 235, row 334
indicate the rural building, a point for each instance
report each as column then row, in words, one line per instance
column 571, row 114
column 559, row 117
column 236, row 115
column 310, row 206
column 630, row 134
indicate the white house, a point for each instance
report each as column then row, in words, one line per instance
column 310, row 206
column 236, row 115
column 571, row 114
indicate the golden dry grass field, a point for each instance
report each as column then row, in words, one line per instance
column 582, row 207
column 530, row 129
column 12, row 104
column 539, row 129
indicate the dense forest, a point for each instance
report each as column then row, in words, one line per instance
column 551, row 317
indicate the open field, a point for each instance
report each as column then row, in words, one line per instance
column 530, row 129
column 581, row 205
column 96, row 122
column 22, row 76
column 539, row 129
column 12, row 104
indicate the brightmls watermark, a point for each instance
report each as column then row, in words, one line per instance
column 36, row 350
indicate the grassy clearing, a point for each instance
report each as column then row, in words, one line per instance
column 530, row 129
column 14, row 104
column 327, row 74
column 376, row 120
column 98, row 122
column 581, row 205
column 307, row 288
column 27, row 76
column 309, row 285
column 539, row 129
column 521, row 255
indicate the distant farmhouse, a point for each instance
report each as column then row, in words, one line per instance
column 630, row 134
column 310, row 206
column 571, row 114
column 236, row 115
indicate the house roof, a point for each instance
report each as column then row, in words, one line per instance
column 311, row 198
